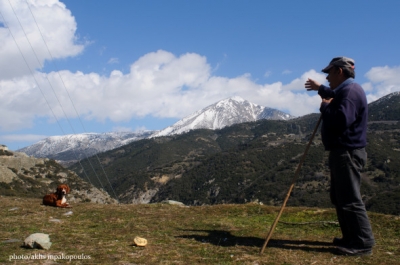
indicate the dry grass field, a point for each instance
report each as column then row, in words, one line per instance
column 219, row 234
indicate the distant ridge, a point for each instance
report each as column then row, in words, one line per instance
column 74, row 147
column 71, row 148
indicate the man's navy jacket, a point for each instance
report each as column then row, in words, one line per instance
column 344, row 119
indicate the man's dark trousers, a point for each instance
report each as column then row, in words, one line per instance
column 345, row 166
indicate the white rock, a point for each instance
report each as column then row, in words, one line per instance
column 173, row 202
column 38, row 240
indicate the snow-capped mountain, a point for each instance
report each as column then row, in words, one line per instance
column 386, row 98
column 224, row 113
column 71, row 148
column 386, row 108
column 74, row 147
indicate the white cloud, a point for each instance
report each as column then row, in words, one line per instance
column 121, row 129
column 21, row 137
column 383, row 80
column 159, row 84
column 267, row 73
column 30, row 27
column 368, row 87
column 384, row 74
column 298, row 83
column 141, row 129
column 286, row 72
column 113, row 61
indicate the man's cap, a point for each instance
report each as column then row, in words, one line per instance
column 342, row 62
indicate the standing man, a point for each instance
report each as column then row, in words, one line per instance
column 344, row 111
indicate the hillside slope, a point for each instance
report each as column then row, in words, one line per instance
column 24, row 176
column 248, row 162
column 243, row 163
column 386, row 108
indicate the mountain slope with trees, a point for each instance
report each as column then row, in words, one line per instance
column 249, row 162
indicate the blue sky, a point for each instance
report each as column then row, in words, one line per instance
column 99, row 66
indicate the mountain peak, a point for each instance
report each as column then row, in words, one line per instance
column 221, row 114
column 237, row 98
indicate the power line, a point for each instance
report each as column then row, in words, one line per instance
column 58, row 100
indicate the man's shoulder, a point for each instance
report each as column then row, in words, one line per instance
column 354, row 86
column 354, row 91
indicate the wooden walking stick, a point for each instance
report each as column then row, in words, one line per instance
column 291, row 187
